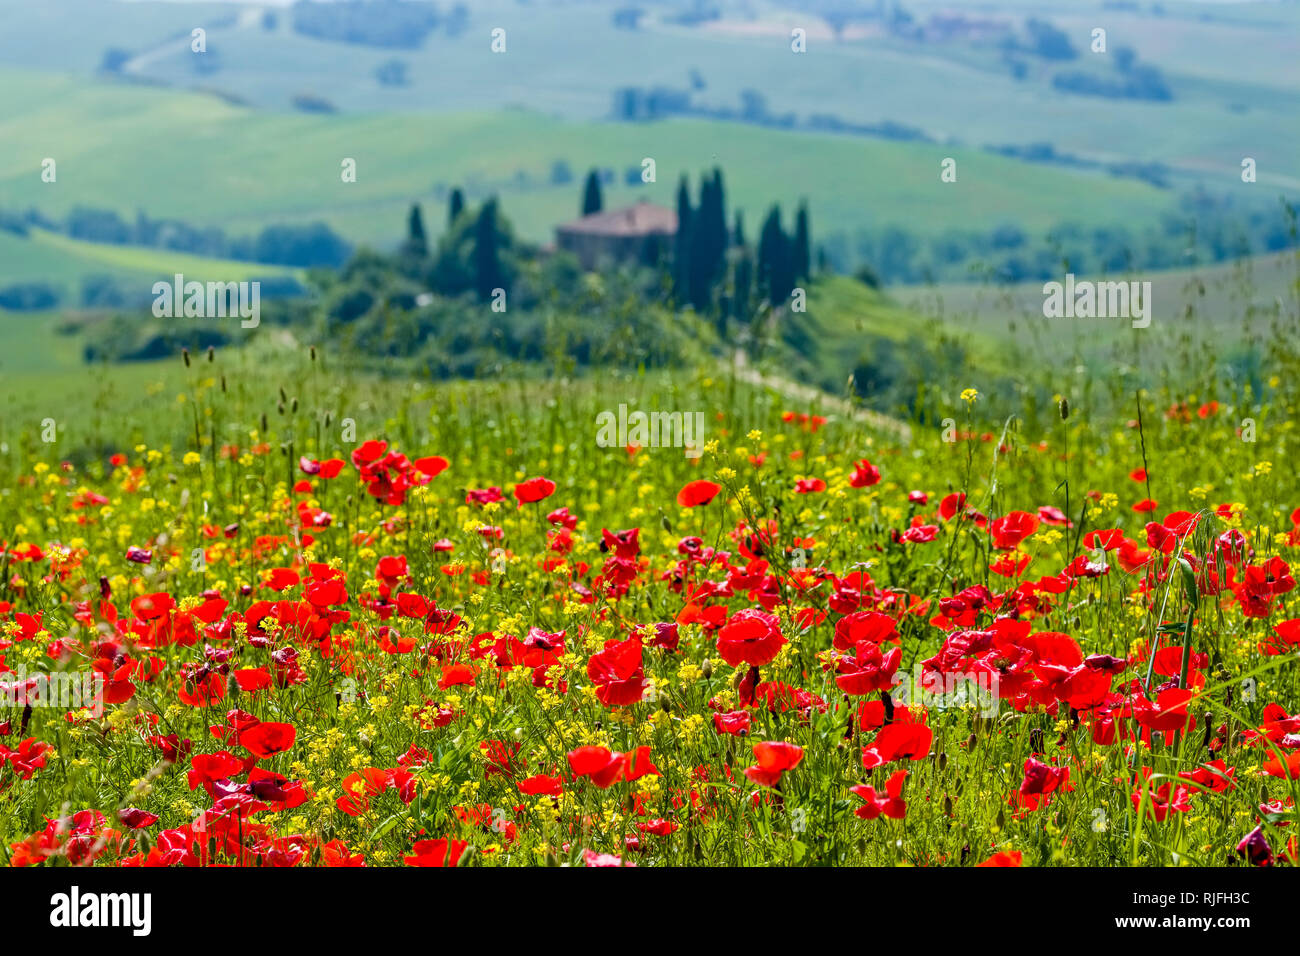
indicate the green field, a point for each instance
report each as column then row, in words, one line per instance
column 56, row 259
column 199, row 159
column 1231, row 67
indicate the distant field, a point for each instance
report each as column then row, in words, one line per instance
column 199, row 159
column 31, row 349
column 1231, row 66
column 1222, row 314
column 56, row 260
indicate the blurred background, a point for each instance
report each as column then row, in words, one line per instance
column 803, row 144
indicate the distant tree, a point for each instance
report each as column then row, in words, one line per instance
column 802, row 263
column 487, row 256
column 455, row 206
column 380, row 23
column 392, row 73
column 313, row 244
column 114, row 59
column 708, row 243
column 1049, row 42
column 417, row 243
column 682, row 244
column 627, row 18
column 742, row 284
column 591, row 198
column 753, row 106
column 561, row 175
column 311, row 102
column 775, row 259
column 738, row 234
column 29, row 297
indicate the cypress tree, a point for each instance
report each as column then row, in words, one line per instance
column 701, row 249
column 775, row 259
column 802, row 253
column 591, row 198
column 455, row 206
column 487, row 256
column 417, row 244
column 742, row 282
column 682, row 245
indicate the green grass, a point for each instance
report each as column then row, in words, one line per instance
column 202, row 160
column 1234, row 83
column 355, row 704
column 63, row 263
column 44, row 256
column 1228, row 305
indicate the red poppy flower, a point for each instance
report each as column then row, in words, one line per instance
column 541, row 785
column 696, row 493
column 774, row 758
column 433, row 466
column 898, row 741
column 889, row 804
column 751, row 637
column 436, row 853
column 267, row 740
column 534, row 489
column 617, row 673
column 606, row 767
column 1011, row 529
column 1005, row 858
column 734, row 722
column 865, row 474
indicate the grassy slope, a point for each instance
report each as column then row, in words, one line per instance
column 50, row 257
column 555, row 51
column 202, row 160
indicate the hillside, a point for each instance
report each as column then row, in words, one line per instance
column 199, row 159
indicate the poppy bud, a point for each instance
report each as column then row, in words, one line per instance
column 185, row 354
column 313, row 353
column 264, row 421
column 293, row 405
column 943, row 761
column 1002, row 819
column 223, row 384
column 212, row 354
column 1065, row 409
column 283, row 396
column 947, row 805
column 707, row 668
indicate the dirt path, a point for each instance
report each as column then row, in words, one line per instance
column 807, row 394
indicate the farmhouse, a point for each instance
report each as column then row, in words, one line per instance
column 639, row 233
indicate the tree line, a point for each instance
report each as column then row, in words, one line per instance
column 711, row 266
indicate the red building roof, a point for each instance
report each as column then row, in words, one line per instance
column 642, row 219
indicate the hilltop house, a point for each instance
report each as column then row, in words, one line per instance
column 639, row 233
